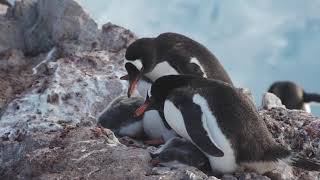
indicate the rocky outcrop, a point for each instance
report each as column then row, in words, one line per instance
column 58, row 71
column 270, row 101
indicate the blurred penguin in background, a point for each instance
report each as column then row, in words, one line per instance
column 5, row 2
column 293, row 96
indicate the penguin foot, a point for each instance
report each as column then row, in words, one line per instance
column 155, row 141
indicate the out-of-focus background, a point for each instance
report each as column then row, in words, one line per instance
column 258, row 42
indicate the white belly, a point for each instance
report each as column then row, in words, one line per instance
column 154, row 127
column 143, row 87
column 175, row 120
column 224, row 164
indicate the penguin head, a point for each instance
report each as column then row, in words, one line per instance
column 141, row 57
column 160, row 90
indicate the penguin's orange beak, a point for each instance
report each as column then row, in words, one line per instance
column 133, row 86
column 133, row 77
column 140, row 111
column 133, row 82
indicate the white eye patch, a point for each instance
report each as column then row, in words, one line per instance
column 149, row 92
column 137, row 63
column 195, row 61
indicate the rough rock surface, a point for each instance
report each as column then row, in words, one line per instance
column 58, row 71
column 270, row 100
column 297, row 130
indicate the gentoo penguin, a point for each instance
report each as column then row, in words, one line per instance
column 118, row 117
column 178, row 152
column 168, row 54
column 293, row 96
column 221, row 121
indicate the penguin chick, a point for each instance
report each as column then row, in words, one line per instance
column 118, row 117
column 178, row 152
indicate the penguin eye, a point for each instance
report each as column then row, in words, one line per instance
column 195, row 68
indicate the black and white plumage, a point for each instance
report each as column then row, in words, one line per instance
column 171, row 54
column 118, row 117
column 178, row 152
column 168, row 54
column 293, row 96
column 155, row 127
column 221, row 121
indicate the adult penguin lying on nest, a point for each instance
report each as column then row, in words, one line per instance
column 222, row 122
column 293, row 96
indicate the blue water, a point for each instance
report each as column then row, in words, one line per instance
column 258, row 42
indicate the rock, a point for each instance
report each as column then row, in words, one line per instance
column 71, row 84
column 294, row 129
column 79, row 88
column 114, row 38
column 12, row 60
column 228, row 177
column 47, row 23
column 185, row 173
column 270, row 100
column 81, row 153
column 10, row 34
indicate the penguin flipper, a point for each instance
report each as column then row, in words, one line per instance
column 194, row 122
